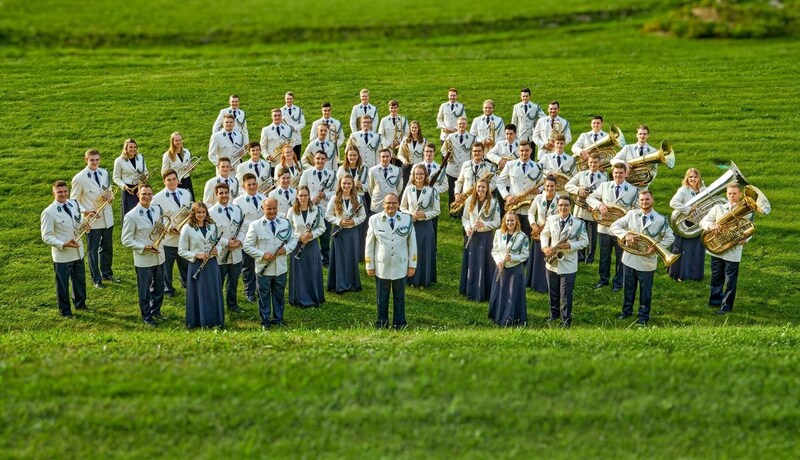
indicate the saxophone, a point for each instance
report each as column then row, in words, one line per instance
column 458, row 204
column 557, row 254
column 532, row 190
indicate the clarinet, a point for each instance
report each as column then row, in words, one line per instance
column 266, row 266
column 303, row 245
column 469, row 238
column 213, row 242
column 352, row 214
column 229, row 253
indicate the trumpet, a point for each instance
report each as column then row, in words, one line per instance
column 604, row 148
column 228, row 251
column 458, row 204
column 734, row 226
column 641, row 247
column 160, row 230
column 532, row 190
column 187, row 168
column 641, row 169
column 397, row 134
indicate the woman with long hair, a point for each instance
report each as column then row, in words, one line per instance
column 354, row 166
column 289, row 161
column 129, row 168
column 305, row 265
column 178, row 158
column 691, row 265
column 346, row 212
column 411, row 149
column 507, row 304
column 421, row 201
column 481, row 216
column 199, row 244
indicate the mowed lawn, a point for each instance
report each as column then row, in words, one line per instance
column 692, row 385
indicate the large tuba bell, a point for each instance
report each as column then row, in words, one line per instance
column 641, row 169
column 613, row 213
column 604, row 148
column 641, row 247
column 687, row 225
column 734, row 226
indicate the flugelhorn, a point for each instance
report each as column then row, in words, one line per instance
column 159, row 231
column 105, row 198
column 604, row 148
column 734, row 226
column 687, row 224
column 641, row 247
column 640, row 173
column 187, row 168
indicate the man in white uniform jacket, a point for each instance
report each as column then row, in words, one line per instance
column 391, row 256
column 240, row 120
column 225, row 143
column 525, row 114
column 58, row 223
column 335, row 133
column 384, row 179
column 294, row 117
column 171, row 199
column 361, row 110
column 449, row 113
column 268, row 241
column 544, row 128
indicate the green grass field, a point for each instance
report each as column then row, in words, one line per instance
column 693, row 385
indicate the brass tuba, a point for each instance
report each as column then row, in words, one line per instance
column 642, row 244
column 640, row 172
column 734, row 225
column 687, row 225
column 614, row 212
column 604, row 148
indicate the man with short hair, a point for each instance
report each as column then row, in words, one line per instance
column 87, row 188
column 639, row 149
column 449, row 113
column 383, row 179
column 585, row 140
column 171, row 200
column 240, row 120
column 268, row 241
column 391, row 256
column 393, row 128
column 284, row 192
column 367, row 142
column 525, row 114
column 223, row 177
column 225, row 143
column 473, row 170
column 321, row 144
column 274, row 136
column 640, row 269
column 335, row 133
column 506, row 149
column 230, row 220
column 58, row 224
column 250, row 203
column 461, row 142
column 481, row 126
column 558, row 161
column 321, row 183
column 149, row 261
column 582, row 185
column 517, row 182
column 361, row 110
column 294, row 117
column 255, row 165
column 543, row 131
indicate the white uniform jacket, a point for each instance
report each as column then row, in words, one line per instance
column 516, row 245
column 683, row 195
column 633, row 151
column 136, row 228
column 58, row 228
column 383, row 181
column 86, row 189
column 587, row 139
column 471, row 172
column 387, row 127
column 588, row 180
column 427, row 201
column 391, row 251
column 347, row 206
column 166, row 163
column 330, row 150
column 228, row 227
column 319, row 181
column 239, row 124
column 516, row 179
column 252, row 207
column 262, row 170
column 224, row 144
column 606, row 194
column 733, row 254
column 541, row 209
column 314, row 221
column 503, row 149
column 432, row 167
column 359, row 174
column 127, row 174
column 368, row 144
column 524, row 116
column 359, row 111
column 260, row 239
column 165, row 200
column 448, row 116
column 578, row 239
column 462, row 152
column 657, row 227
column 210, row 198
column 489, row 214
column 272, row 136
column 192, row 241
column 550, row 163
column 294, row 117
column 480, row 127
column 415, row 148
column 334, row 128
column 285, row 197
column 543, row 128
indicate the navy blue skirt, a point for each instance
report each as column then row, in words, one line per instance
column 128, row 202
column 426, row 255
column 507, row 305
column 186, row 184
column 305, row 276
column 536, row 272
column 343, row 274
column 204, row 307
column 691, row 265
column 477, row 267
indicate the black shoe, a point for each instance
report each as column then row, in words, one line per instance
column 251, row 298
column 112, row 279
column 552, row 319
column 615, row 289
column 236, row 309
column 67, row 315
column 641, row 322
column 278, row 323
column 150, row 322
column 158, row 316
column 265, row 327
column 721, row 312
column 600, row 285
column 99, row 286
column 589, row 261
column 623, row 316
column 381, row 325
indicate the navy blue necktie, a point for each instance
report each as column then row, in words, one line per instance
column 385, row 172
column 562, row 224
column 66, row 209
column 644, row 221
column 255, row 200
column 286, row 192
column 319, row 174
column 258, row 174
column 391, row 222
column 227, row 212
column 616, row 192
column 175, row 197
column 149, row 216
column 366, row 138
column 272, row 226
column 230, row 136
column 97, row 179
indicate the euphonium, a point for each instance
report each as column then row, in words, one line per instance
column 526, row 193
column 734, row 225
column 561, row 180
column 604, row 148
column 181, row 218
column 186, row 168
column 640, row 173
column 580, row 201
column 613, row 213
column 687, row 224
column 159, row 231
column 458, row 204
column 642, row 244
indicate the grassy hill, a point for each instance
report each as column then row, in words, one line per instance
column 693, row 385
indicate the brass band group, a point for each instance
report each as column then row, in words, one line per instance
column 276, row 213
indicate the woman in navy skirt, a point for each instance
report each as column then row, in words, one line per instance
column 507, row 304
column 480, row 218
column 421, row 201
column 128, row 168
column 691, row 265
column 199, row 242
column 354, row 166
column 345, row 213
column 543, row 206
column 305, row 265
